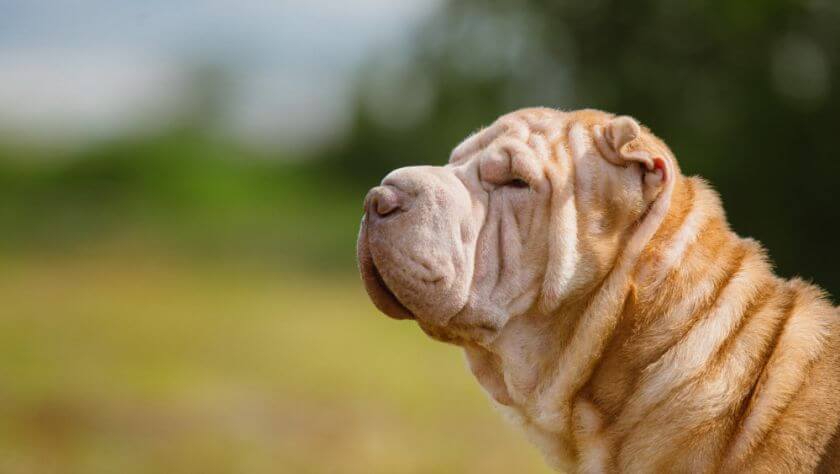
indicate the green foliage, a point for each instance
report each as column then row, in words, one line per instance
column 184, row 191
column 745, row 93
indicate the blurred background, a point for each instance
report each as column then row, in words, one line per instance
column 181, row 184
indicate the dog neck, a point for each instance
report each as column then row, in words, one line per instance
column 576, row 370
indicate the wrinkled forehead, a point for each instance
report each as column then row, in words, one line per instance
column 541, row 129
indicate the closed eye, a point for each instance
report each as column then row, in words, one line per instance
column 517, row 183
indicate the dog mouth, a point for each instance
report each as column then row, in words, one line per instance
column 382, row 296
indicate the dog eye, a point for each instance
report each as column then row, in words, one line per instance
column 517, row 183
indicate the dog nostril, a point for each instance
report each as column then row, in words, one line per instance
column 385, row 205
column 383, row 201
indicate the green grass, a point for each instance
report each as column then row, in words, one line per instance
column 144, row 363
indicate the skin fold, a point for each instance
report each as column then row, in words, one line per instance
column 604, row 303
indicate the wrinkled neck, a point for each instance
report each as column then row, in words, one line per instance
column 551, row 357
column 541, row 356
column 680, row 277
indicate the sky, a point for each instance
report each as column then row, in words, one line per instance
column 76, row 70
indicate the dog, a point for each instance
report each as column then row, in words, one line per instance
column 604, row 303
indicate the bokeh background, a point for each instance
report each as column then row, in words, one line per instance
column 181, row 184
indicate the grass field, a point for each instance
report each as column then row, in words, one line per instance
column 145, row 363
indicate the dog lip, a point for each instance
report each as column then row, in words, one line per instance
column 382, row 296
column 405, row 312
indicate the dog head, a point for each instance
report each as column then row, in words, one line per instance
column 529, row 214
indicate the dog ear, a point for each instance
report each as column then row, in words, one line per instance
column 619, row 141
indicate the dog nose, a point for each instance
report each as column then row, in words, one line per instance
column 382, row 201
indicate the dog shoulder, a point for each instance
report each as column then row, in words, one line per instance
column 806, row 367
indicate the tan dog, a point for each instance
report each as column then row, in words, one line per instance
column 603, row 301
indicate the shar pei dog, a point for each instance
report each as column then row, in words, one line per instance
column 605, row 304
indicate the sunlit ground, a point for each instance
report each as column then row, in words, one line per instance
column 116, row 363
